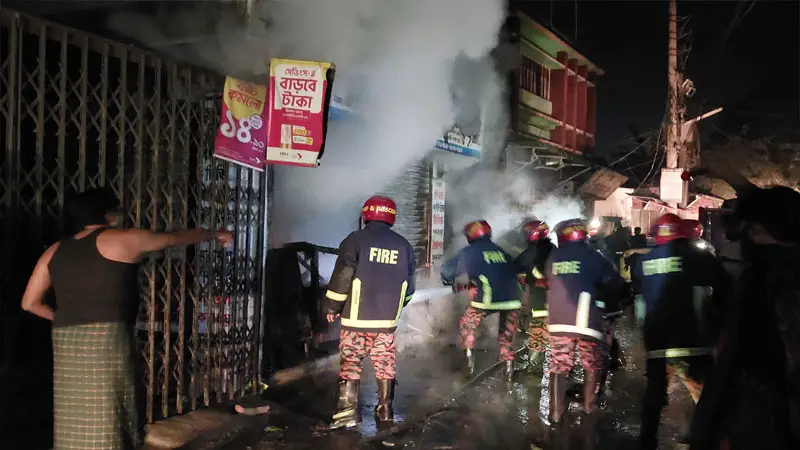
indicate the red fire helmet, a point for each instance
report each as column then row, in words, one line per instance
column 573, row 230
column 667, row 228
column 693, row 228
column 477, row 229
column 535, row 230
column 380, row 209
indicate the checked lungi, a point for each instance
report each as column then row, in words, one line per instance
column 94, row 384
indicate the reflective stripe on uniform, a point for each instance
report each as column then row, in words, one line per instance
column 586, row 331
column 354, row 322
column 582, row 314
column 538, row 275
column 498, row 306
column 540, row 313
column 679, row 352
column 335, row 296
column 486, row 289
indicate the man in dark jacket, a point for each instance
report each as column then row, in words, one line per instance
column 489, row 274
column 372, row 281
column 530, row 267
column 674, row 283
column 751, row 399
column 577, row 275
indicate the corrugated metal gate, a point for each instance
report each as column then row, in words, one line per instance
column 411, row 192
column 78, row 111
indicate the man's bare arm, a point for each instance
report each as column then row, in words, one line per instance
column 38, row 284
column 141, row 242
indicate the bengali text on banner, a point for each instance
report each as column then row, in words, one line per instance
column 299, row 100
column 242, row 133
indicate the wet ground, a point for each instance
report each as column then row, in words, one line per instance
column 438, row 409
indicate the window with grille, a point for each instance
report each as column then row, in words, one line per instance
column 534, row 78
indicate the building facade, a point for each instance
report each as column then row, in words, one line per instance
column 554, row 102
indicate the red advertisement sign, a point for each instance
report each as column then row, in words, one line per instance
column 242, row 134
column 299, row 98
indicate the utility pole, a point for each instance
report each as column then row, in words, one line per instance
column 673, row 190
column 674, row 127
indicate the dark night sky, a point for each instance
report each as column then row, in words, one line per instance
column 628, row 39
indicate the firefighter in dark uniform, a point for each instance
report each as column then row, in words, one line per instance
column 530, row 267
column 372, row 281
column 674, row 283
column 577, row 276
column 489, row 273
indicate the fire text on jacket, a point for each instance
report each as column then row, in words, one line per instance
column 566, row 268
column 382, row 255
column 494, row 257
column 662, row 266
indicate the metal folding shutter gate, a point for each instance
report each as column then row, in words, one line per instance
column 79, row 111
column 411, row 192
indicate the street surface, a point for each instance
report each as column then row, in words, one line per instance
column 486, row 414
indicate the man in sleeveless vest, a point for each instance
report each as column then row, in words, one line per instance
column 674, row 283
column 372, row 281
column 94, row 276
column 577, row 275
column 488, row 272
column 530, row 267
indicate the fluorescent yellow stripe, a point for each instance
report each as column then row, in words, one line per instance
column 584, row 307
column 498, row 306
column 409, row 297
column 487, row 290
column 335, row 296
column 344, row 413
column 402, row 300
column 369, row 323
column 355, row 299
column 538, row 275
column 540, row 313
column 577, row 330
column 679, row 352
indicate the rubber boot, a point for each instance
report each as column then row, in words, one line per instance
column 601, row 389
column 558, row 398
column 470, row 362
column 347, row 414
column 591, row 380
column 383, row 410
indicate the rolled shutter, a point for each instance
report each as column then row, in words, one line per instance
column 411, row 192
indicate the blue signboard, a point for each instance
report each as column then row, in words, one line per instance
column 455, row 141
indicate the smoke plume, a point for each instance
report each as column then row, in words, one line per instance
column 409, row 68
column 505, row 201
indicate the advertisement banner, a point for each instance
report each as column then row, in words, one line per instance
column 437, row 221
column 455, row 141
column 242, row 134
column 299, row 101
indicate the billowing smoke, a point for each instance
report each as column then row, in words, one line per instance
column 409, row 68
column 505, row 201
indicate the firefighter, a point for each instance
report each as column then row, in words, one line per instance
column 672, row 304
column 489, row 273
column 372, row 281
column 530, row 267
column 576, row 273
column 694, row 232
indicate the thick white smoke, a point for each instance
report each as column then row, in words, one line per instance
column 402, row 64
column 505, row 201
